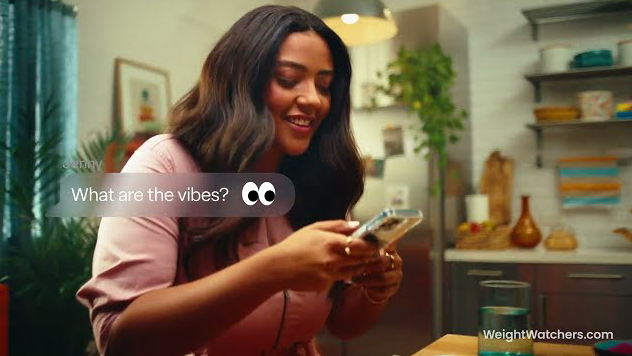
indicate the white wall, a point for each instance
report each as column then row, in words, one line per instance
column 500, row 51
column 168, row 34
column 453, row 37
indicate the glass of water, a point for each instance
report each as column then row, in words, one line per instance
column 504, row 319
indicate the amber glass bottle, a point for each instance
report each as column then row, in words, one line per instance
column 526, row 232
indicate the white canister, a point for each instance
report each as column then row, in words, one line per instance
column 477, row 206
column 555, row 58
column 595, row 105
column 625, row 53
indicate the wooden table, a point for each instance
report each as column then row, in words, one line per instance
column 468, row 346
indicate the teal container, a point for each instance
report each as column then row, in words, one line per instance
column 601, row 58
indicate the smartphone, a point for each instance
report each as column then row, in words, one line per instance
column 389, row 226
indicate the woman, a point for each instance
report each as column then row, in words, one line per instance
column 273, row 96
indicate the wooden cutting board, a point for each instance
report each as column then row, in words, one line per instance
column 497, row 183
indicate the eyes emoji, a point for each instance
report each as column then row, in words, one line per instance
column 265, row 193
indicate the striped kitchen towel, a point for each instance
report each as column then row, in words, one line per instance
column 589, row 181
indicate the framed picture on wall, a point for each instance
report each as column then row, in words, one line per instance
column 397, row 196
column 373, row 167
column 143, row 98
column 393, row 140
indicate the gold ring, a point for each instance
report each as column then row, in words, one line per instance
column 392, row 260
column 348, row 249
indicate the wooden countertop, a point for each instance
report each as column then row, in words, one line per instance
column 462, row 345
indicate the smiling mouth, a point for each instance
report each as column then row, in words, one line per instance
column 300, row 121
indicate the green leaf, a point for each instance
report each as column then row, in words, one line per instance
column 54, row 257
column 426, row 75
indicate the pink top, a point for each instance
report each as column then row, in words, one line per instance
column 137, row 255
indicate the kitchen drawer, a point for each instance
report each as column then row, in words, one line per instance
column 593, row 279
column 584, row 313
column 465, row 278
column 471, row 274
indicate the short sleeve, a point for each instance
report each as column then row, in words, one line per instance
column 132, row 256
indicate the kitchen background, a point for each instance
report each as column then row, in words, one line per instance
column 492, row 49
column 489, row 41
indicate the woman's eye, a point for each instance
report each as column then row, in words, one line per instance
column 286, row 83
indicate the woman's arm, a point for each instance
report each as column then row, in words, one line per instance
column 358, row 306
column 352, row 313
column 179, row 319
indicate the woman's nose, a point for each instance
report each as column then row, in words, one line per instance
column 309, row 96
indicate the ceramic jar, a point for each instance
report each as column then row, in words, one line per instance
column 595, row 105
column 625, row 53
column 555, row 58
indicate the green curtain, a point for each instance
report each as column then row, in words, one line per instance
column 38, row 82
column 38, row 113
column 5, row 97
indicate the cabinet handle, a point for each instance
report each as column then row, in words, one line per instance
column 594, row 276
column 484, row 273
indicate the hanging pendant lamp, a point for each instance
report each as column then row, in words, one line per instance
column 357, row 22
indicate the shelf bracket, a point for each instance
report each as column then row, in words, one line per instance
column 539, row 144
column 534, row 31
column 537, row 91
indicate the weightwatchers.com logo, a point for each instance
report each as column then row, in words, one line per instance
column 511, row 335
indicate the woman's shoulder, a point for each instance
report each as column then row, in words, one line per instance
column 162, row 153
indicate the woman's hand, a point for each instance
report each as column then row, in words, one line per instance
column 381, row 279
column 314, row 257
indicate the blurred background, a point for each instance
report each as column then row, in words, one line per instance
column 118, row 64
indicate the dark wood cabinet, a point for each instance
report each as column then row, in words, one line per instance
column 565, row 297
column 586, row 313
column 585, row 298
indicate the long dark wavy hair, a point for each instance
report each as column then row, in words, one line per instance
column 226, row 126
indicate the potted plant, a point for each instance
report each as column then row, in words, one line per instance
column 48, row 259
column 421, row 79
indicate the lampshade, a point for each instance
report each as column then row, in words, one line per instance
column 357, row 22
